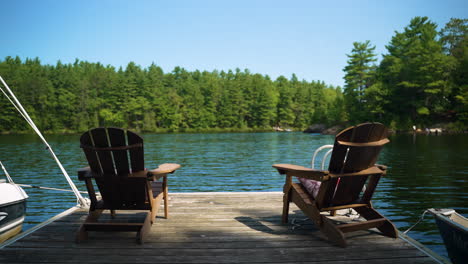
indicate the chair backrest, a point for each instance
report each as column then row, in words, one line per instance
column 355, row 149
column 113, row 154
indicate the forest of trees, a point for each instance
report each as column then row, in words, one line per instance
column 421, row 81
column 75, row 97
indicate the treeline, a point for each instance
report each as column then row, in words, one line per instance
column 421, row 81
column 75, row 97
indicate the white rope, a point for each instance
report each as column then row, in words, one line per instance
column 81, row 200
column 420, row 219
column 46, row 188
column 10, row 180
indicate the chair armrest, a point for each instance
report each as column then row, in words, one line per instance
column 163, row 170
column 84, row 173
column 302, row 172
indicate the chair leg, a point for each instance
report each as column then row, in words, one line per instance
column 82, row 233
column 286, row 201
column 155, row 207
column 332, row 232
column 143, row 232
column 387, row 228
column 166, row 203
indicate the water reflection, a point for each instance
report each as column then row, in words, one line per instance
column 424, row 171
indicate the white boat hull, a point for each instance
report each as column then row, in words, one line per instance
column 12, row 210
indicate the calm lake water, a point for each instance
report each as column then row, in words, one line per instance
column 424, row 171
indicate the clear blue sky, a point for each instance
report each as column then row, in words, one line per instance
column 308, row 38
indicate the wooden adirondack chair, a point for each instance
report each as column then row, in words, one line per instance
column 116, row 164
column 352, row 166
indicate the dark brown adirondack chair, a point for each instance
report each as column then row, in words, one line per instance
column 352, row 166
column 116, row 164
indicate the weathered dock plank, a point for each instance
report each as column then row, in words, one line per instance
column 210, row 228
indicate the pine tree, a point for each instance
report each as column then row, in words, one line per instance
column 285, row 114
column 454, row 37
column 416, row 73
column 359, row 76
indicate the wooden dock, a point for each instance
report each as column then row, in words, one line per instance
column 210, row 228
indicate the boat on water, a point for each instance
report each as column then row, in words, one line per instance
column 12, row 209
column 453, row 228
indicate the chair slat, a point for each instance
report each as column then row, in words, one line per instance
column 105, row 158
column 361, row 158
column 348, row 190
column 136, row 154
column 327, row 190
column 117, row 139
column 91, row 155
column 337, row 158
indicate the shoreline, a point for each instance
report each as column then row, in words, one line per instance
column 312, row 129
column 215, row 131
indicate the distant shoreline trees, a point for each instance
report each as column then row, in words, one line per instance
column 74, row 97
column 422, row 80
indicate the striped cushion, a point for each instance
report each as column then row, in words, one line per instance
column 311, row 186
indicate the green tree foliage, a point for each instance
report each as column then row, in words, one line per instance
column 416, row 73
column 454, row 37
column 74, row 97
column 359, row 76
column 285, row 114
column 422, row 80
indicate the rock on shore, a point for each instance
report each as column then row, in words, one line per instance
column 333, row 130
column 315, row 128
column 322, row 129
